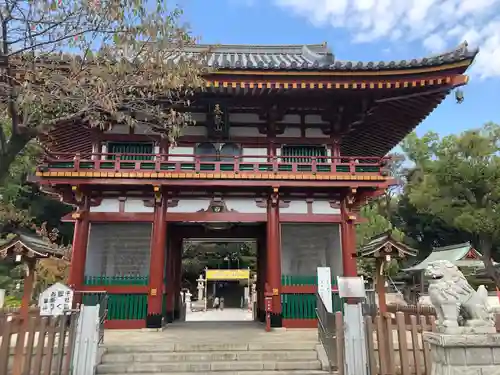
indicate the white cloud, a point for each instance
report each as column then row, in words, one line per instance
column 434, row 43
column 436, row 24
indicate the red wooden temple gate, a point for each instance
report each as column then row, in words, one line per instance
column 299, row 147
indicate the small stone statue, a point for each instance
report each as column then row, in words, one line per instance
column 459, row 308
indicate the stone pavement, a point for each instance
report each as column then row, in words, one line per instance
column 209, row 331
column 226, row 315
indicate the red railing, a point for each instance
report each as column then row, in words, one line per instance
column 106, row 162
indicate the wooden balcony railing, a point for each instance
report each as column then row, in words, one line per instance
column 202, row 164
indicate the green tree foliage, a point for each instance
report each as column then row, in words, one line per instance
column 23, row 204
column 6, row 280
column 424, row 230
column 200, row 255
column 457, row 180
column 374, row 224
column 377, row 218
column 100, row 62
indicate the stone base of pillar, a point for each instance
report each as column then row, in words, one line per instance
column 460, row 354
column 169, row 316
column 261, row 315
column 154, row 321
column 276, row 320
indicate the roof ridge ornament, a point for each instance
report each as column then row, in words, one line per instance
column 326, row 58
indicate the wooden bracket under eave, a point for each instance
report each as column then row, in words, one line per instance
column 77, row 193
column 157, row 194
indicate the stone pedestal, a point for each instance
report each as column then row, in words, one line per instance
column 464, row 354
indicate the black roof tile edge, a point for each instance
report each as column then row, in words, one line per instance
column 321, row 59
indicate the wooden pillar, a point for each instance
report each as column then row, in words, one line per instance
column 170, row 281
column 380, row 285
column 164, row 147
column 177, row 275
column 157, row 264
column 348, row 234
column 29, row 282
column 261, row 277
column 79, row 249
column 273, row 264
column 336, row 149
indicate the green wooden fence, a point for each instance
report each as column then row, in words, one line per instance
column 121, row 306
column 126, row 306
column 116, row 280
column 303, row 305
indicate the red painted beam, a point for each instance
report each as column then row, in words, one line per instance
column 301, row 289
column 182, row 183
column 207, row 217
column 300, row 323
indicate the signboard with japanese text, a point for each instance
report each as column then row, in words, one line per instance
column 228, row 274
column 55, row 300
column 351, row 287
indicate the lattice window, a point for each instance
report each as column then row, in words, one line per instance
column 302, row 154
column 145, row 148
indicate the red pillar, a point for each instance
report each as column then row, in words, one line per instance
column 177, row 266
column 348, row 237
column 79, row 249
column 170, row 281
column 157, row 265
column 336, row 149
column 261, row 277
column 273, row 264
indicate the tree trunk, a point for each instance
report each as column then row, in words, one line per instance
column 15, row 145
column 485, row 247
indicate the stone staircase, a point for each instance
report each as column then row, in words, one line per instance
column 267, row 356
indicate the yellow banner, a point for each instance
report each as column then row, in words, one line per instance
column 228, row 274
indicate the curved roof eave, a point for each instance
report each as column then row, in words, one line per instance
column 313, row 58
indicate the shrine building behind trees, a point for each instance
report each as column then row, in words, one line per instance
column 289, row 143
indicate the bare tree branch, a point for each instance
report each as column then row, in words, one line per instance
column 103, row 61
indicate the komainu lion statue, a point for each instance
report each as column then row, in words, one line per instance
column 459, row 307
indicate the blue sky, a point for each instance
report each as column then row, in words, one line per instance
column 391, row 32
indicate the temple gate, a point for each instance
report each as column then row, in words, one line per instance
column 289, row 143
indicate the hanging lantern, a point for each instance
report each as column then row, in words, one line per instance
column 459, row 96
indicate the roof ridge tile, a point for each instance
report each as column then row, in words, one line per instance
column 313, row 57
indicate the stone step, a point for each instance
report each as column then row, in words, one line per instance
column 182, row 367
column 291, row 372
column 212, row 347
column 213, row 356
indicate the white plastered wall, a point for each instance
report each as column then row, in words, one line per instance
column 118, row 249
column 305, row 246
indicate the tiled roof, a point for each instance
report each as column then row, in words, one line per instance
column 453, row 253
column 378, row 244
column 32, row 243
column 308, row 57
